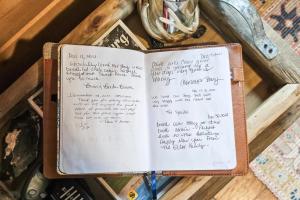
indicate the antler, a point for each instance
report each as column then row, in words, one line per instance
column 154, row 23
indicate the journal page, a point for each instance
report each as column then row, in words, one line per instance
column 103, row 123
column 190, row 110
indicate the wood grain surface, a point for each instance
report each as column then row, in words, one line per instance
column 246, row 188
column 15, row 14
column 24, row 46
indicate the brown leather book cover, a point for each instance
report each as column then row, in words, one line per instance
column 50, row 115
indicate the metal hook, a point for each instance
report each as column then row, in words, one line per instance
column 251, row 16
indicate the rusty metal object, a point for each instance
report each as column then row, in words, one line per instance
column 248, row 12
column 281, row 69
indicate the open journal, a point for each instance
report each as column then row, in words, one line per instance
column 124, row 110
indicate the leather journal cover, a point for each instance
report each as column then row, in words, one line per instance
column 50, row 139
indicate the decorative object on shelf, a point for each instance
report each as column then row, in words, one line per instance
column 279, row 165
column 20, row 145
column 119, row 36
column 169, row 20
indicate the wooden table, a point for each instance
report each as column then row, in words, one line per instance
column 267, row 103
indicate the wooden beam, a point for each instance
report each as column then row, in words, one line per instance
column 15, row 14
column 244, row 187
column 186, row 187
column 258, row 95
column 99, row 21
column 108, row 188
column 21, row 88
column 85, row 33
column 25, row 45
column 284, row 68
column 274, row 131
column 271, row 109
column 34, row 26
column 258, row 121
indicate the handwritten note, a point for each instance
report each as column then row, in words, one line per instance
column 123, row 110
column 181, row 135
column 102, row 109
column 191, row 118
